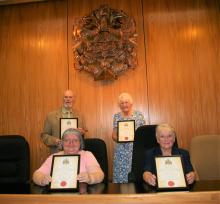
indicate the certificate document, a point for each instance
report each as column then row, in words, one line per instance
column 126, row 130
column 170, row 174
column 66, row 123
column 64, row 171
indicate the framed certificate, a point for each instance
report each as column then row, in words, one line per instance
column 64, row 171
column 66, row 123
column 126, row 131
column 170, row 174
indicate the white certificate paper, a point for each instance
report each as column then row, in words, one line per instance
column 170, row 174
column 126, row 130
column 66, row 123
column 64, row 171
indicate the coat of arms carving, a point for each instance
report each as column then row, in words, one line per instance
column 104, row 43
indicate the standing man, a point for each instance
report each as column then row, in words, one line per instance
column 51, row 131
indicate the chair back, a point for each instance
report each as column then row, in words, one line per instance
column 14, row 159
column 98, row 148
column 144, row 139
column 205, row 156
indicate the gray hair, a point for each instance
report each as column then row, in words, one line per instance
column 163, row 126
column 125, row 96
column 76, row 133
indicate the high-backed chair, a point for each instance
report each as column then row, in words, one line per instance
column 98, row 148
column 14, row 159
column 205, row 156
column 144, row 139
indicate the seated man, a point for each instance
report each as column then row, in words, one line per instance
column 165, row 135
column 72, row 141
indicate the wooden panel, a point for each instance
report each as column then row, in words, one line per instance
column 183, row 65
column 211, row 197
column 33, row 71
column 178, row 83
column 97, row 100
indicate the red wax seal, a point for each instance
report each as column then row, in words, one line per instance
column 63, row 183
column 171, row 183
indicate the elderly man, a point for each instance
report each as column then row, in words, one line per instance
column 51, row 131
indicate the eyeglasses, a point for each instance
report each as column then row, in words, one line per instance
column 70, row 141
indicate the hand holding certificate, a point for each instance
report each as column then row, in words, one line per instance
column 170, row 173
column 64, row 167
column 126, row 130
column 64, row 171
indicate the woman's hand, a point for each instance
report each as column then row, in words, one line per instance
column 149, row 178
column 83, row 177
column 45, row 180
column 190, row 177
column 41, row 179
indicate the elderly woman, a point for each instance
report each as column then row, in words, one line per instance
column 165, row 135
column 123, row 151
column 72, row 141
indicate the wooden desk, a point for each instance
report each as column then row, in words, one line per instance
column 201, row 193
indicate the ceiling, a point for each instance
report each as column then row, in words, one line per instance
column 9, row 2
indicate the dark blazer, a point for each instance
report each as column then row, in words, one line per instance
column 149, row 161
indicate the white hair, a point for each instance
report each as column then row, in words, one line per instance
column 125, row 96
column 76, row 133
column 163, row 126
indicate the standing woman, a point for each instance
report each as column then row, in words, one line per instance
column 123, row 151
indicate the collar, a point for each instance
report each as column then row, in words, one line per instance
column 175, row 151
column 65, row 110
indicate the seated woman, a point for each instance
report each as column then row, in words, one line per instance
column 72, row 141
column 165, row 135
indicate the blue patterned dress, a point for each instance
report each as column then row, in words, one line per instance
column 123, row 151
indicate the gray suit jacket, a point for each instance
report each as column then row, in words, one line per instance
column 51, row 129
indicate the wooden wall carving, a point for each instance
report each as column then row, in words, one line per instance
column 105, row 43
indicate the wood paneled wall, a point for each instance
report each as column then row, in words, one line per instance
column 33, row 69
column 176, row 81
column 183, row 42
